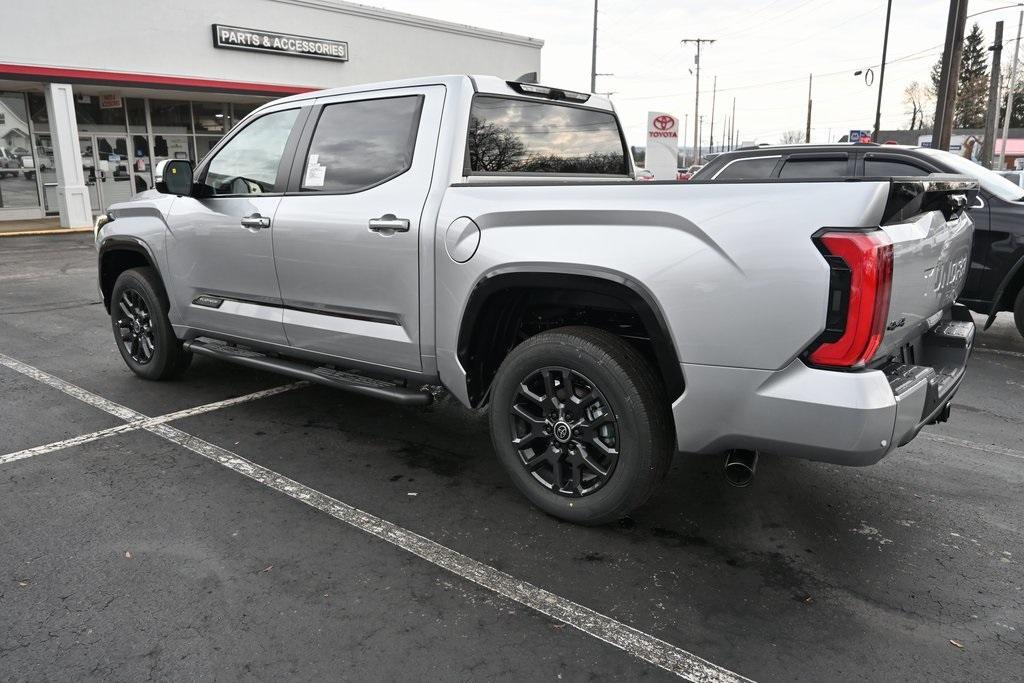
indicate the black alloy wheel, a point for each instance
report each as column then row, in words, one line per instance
column 135, row 325
column 564, row 431
column 142, row 330
column 580, row 422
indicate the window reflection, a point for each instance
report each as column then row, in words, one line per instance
column 519, row 136
column 248, row 163
column 17, row 162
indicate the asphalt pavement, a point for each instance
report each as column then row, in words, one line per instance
column 306, row 533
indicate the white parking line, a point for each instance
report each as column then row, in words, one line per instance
column 633, row 641
column 146, row 422
column 985, row 447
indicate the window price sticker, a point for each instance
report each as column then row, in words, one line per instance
column 315, row 172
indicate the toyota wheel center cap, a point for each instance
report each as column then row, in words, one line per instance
column 562, row 431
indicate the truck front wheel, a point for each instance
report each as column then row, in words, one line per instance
column 579, row 421
column 144, row 336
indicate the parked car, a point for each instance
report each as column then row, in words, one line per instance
column 534, row 275
column 688, row 172
column 644, row 174
column 28, row 166
column 9, row 164
column 995, row 281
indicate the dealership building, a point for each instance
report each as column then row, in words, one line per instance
column 94, row 94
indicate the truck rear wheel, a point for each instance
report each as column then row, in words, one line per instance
column 580, row 423
column 144, row 336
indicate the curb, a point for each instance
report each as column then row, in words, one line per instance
column 36, row 233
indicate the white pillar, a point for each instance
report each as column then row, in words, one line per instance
column 72, row 194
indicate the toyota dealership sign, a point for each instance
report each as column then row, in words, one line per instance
column 662, row 145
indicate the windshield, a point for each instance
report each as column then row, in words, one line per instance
column 991, row 181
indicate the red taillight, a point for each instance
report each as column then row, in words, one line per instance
column 868, row 255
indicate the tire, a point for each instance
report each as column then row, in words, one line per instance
column 1018, row 311
column 617, row 417
column 148, row 348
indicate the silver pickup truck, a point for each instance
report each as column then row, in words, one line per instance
column 489, row 237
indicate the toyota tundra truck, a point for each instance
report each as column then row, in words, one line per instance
column 489, row 238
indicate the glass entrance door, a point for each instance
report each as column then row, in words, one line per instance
column 107, row 167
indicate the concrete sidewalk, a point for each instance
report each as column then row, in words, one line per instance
column 40, row 226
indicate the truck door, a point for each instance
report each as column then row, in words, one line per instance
column 347, row 234
column 220, row 250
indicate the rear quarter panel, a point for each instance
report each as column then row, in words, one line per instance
column 731, row 266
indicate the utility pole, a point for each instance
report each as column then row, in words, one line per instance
column 949, row 74
column 881, row 73
column 696, row 97
column 686, row 124
column 593, row 54
column 992, row 114
column 711, row 128
column 732, row 126
column 810, row 81
column 700, row 133
column 1009, row 96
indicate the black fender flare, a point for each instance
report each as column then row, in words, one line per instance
column 617, row 285
column 122, row 243
column 1001, row 290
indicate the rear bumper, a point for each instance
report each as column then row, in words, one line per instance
column 846, row 418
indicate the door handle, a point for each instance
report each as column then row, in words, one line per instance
column 388, row 223
column 255, row 222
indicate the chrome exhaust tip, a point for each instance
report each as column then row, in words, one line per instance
column 740, row 467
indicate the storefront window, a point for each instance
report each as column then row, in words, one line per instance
column 17, row 162
column 205, row 143
column 47, row 171
column 136, row 109
column 37, row 110
column 172, row 147
column 140, row 163
column 170, row 117
column 243, row 109
column 209, row 117
column 100, row 114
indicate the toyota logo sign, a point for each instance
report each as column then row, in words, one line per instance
column 664, row 122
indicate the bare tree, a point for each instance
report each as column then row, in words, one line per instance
column 918, row 97
column 792, row 137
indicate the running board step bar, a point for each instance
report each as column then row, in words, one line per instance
column 345, row 381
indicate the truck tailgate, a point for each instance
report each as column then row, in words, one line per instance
column 931, row 237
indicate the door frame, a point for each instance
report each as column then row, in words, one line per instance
column 101, row 199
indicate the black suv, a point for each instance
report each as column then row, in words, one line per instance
column 996, row 279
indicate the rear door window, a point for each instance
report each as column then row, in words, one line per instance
column 509, row 135
column 882, row 168
column 748, row 169
column 358, row 145
column 796, row 167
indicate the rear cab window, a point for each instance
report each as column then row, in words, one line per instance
column 515, row 136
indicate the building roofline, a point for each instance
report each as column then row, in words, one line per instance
column 380, row 14
column 61, row 74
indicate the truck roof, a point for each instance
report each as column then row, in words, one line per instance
column 479, row 83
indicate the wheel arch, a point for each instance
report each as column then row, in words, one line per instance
column 118, row 254
column 1007, row 291
column 494, row 314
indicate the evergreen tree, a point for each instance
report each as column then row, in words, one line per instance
column 972, row 86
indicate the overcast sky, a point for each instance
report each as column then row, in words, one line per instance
column 764, row 52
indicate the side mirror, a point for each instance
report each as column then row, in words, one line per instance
column 173, row 176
